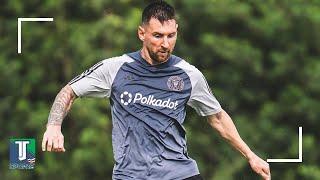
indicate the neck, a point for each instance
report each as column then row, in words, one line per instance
column 146, row 56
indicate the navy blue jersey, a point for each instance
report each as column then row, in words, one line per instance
column 148, row 110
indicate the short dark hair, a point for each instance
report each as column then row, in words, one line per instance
column 159, row 10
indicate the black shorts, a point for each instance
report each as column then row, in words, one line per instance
column 196, row 177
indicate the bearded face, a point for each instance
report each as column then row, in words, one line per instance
column 158, row 39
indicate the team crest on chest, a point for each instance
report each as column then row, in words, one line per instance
column 175, row 83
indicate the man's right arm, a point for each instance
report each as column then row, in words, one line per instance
column 53, row 139
column 94, row 82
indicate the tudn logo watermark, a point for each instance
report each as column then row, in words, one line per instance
column 126, row 98
column 22, row 153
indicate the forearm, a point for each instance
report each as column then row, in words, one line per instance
column 61, row 106
column 226, row 128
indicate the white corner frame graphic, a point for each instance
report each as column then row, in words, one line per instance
column 20, row 20
column 299, row 160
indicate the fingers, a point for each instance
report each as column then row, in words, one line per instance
column 60, row 145
column 53, row 141
column 44, row 142
column 265, row 168
column 261, row 167
column 266, row 172
column 49, row 144
column 55, row 144
column 263, row 172
column 265, row 176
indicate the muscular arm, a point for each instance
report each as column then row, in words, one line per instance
column 53, row 139
column 226, row 128
column 61, row 106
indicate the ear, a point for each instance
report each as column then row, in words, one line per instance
column 141, row 33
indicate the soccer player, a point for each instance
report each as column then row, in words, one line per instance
column 149, row 90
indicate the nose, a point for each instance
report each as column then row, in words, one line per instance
column 165, row 43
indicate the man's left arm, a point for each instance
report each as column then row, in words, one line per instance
column 226, row 128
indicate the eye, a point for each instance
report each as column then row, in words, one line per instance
column 172, row 35
column 157, row 35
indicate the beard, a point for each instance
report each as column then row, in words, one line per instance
column 159, row 56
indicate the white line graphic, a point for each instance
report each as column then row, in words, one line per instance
column 299, row 160
column 19, row 28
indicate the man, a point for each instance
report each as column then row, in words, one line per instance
column 149, row 90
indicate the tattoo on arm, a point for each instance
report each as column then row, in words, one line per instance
column 61, row 106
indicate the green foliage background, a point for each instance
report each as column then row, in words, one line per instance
column 261, row 59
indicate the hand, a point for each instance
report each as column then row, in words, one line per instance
column 260, row 166
column 53, row 139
